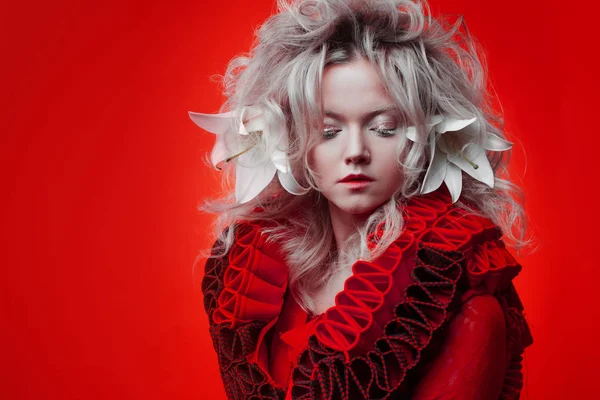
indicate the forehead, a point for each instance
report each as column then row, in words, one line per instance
column 353, row 88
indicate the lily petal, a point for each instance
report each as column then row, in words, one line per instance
column 453, row 181
column 290, row 183
column 278, row 137
column 436, row 119
column 218, row 124
column 219, row 152
column 450, row 143
column 453, row 124
column 251, row 120
column 437, row 169
column 476, row 154
column 496, row 143
column 279, row 159
column 250, row 181
column 411, row 131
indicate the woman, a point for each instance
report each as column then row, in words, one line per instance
column 372, row 266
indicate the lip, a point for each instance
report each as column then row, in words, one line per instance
column 356, row 178
column 354, row 185
column 356, row 181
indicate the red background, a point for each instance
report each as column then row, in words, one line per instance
column 102, row 170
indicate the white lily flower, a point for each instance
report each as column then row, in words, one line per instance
column 253, row 172
column 455, row 146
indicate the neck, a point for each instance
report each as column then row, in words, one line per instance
column 344, row 225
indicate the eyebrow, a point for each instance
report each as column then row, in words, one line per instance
column 367, row 116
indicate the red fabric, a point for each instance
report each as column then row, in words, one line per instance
column 255, row 280
column 472, row 360
column 386, row 318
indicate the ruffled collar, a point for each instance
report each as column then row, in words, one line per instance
column 389, row 308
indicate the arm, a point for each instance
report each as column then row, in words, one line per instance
column 472, row 362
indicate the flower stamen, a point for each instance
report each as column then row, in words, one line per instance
column 451, row 140
column 247, row 149
column 475, row 166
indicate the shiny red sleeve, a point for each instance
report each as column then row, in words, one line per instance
column 472, row 361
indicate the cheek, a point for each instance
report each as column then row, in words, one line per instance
column 391, row 168
column 318, row 160
column 315, row 164
column 398, row 179
column 387, row 158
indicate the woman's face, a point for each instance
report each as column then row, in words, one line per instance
column 355, row 160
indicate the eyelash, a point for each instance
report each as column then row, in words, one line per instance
column 330, row 133
column 383, row 132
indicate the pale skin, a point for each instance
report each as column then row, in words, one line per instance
column 360, row 138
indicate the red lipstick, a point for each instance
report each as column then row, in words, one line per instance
column 356, row 181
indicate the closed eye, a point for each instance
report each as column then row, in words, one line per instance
column 330, row 133
column 385, row 132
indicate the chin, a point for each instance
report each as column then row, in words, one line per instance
column 364, row 208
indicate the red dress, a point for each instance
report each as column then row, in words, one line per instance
column 387, row 324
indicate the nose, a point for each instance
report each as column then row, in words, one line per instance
column 357, row 151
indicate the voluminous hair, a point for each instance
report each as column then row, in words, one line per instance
column 428, row 65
